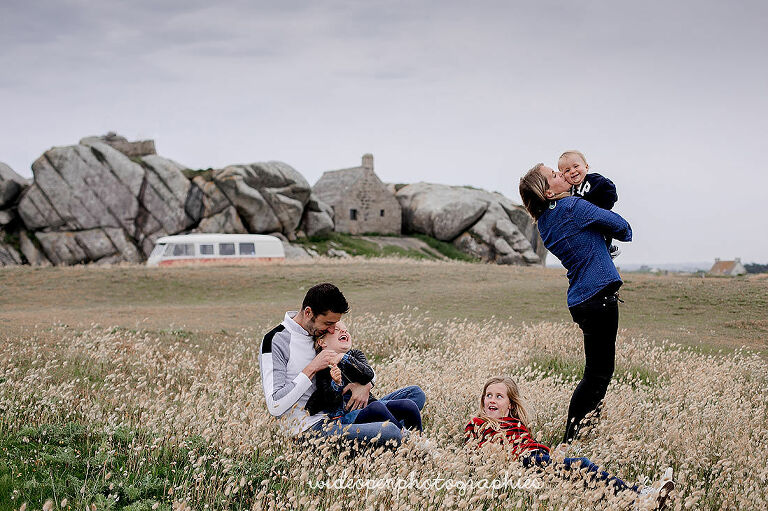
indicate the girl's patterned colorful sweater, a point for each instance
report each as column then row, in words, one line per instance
column 515, row 434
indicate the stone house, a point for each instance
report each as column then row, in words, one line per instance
column 727, row 268
column 361, row 202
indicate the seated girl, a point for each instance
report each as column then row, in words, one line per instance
column 504, row 419
column 353, row 367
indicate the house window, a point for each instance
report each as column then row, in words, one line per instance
column 381, row 212
column 353, row 214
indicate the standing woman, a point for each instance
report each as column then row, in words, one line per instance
column 573, row 230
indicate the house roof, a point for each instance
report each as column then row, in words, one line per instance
column 333, row 184
column 723, row 267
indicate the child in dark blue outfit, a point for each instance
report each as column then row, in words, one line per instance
column 353, row 367
column 597, row 189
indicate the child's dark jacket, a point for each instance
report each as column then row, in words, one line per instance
column 598, row 190
column 327, row 396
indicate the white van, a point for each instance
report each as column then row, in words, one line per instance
column 216, row 249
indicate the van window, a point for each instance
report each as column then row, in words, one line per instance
column 226, row 249
column 247, row 249
column 206, row 249
column 183, row 249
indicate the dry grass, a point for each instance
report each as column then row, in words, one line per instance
column 707, row 313
column 193, row 399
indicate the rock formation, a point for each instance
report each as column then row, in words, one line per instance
column 108, row 200
column 268, row 196
column 8, row 255
column 130, row 149
column 11, row 185
column 484, row 224
column 91, row 187
column 318, row 218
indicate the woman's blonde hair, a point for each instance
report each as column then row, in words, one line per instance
column 516, row 406
column 533, row 187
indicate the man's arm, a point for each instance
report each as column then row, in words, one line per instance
column 280, row 393
column 359, row 395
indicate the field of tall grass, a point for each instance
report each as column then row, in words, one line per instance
column 137, row 388
column 123, row 418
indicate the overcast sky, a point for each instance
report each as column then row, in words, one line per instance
column 668, row 99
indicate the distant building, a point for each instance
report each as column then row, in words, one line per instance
column 360, row 201
column 727, row 268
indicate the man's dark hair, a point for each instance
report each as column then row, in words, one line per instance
column 323, row 298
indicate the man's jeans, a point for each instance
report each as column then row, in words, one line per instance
column 368, row 431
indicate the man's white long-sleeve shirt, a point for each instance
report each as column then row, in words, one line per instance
column 285, row 351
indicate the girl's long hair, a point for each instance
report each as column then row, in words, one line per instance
column 517, row 407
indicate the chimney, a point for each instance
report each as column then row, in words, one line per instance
column 738, row 260
column 717, row 259
column 368, row 161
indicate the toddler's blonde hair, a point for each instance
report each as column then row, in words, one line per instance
column 574, row 152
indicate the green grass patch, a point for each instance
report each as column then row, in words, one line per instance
column 356, row 246
column 392, row 251
column 352, row 245
column 447, row 249
column 193, row 173
column 572, row 369
column 122, row 470
column 546, row 366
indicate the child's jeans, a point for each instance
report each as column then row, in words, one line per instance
column 384, row 431
column 403, row 412
column 542, row 459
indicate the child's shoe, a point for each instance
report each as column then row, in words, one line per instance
column 614, row 251
column 655, row 497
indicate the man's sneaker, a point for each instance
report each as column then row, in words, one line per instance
column 614, row 251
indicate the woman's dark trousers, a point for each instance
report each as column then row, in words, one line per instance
column 598, row 319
